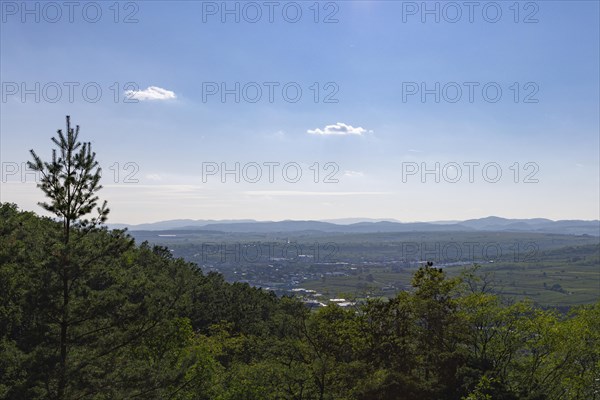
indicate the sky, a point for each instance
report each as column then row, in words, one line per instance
column 310, row 110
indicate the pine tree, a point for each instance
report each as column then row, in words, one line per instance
column 70, row 181
column 103, row 318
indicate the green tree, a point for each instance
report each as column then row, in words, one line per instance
column 70, row 181
column 83, row 312
column 439, row 329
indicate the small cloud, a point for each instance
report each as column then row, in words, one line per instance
column 578, row 165
column 154, row 177
column 304, row 193
column 414, row 151
column 279, row 135
column 339, row 129
column 151, row 93
column 353, row 174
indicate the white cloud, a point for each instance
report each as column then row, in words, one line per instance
column 303, row 193
column 279, row 135
column 353, row 174
column 339, row 129
column 155, row 177
column 151, row 93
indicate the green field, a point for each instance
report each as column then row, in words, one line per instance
column 578, row 284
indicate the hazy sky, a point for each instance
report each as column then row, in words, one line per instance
column 329, row 109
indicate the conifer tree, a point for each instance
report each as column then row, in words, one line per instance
column 70, row 182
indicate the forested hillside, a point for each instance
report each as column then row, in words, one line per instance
column 86, row 313
column 141, row 324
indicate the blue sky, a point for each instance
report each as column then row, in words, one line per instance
column 374, row 135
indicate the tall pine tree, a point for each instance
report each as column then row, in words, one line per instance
column 70, row 181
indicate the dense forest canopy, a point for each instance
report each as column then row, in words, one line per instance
column 86, row 313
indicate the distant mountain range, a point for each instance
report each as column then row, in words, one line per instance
column 366, row 225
